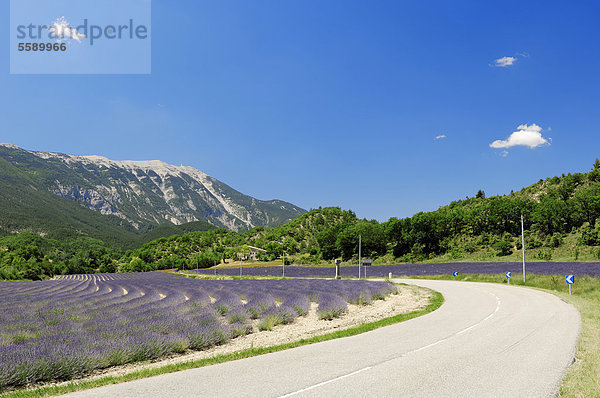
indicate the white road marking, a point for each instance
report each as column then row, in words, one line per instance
column 467, row 329
column 427, row 346
column 324, row 383
column 498, row 304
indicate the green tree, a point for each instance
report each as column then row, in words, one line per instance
column 373, row 240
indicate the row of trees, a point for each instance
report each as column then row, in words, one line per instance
column 30, row 256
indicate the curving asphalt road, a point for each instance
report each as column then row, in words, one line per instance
column 486, row 340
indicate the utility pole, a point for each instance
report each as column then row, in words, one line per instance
column 283, row 274
column 359, row 253
column 523, row 247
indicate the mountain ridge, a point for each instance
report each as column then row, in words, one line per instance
column 145, row 194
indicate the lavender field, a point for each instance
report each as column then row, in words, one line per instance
column 63, row 329
column 542, row 268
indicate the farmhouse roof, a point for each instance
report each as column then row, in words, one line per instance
column 257, row 249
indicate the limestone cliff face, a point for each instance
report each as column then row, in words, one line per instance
column 147, row 193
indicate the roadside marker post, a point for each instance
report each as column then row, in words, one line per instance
column 508, row 274
column 366, row 263
column 337, row 268
column 359, row 253
column 570, row 279
column 523, row 247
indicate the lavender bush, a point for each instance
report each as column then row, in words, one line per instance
column 331, row 306
column 258, row 303
column 277, row 316
column 299, row 302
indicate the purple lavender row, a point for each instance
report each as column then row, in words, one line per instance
column 542, row 268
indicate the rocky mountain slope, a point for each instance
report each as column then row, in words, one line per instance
column 143, row 194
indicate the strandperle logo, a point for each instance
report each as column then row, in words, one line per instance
column 61, row 30
column 80, row 37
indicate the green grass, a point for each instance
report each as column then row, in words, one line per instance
column 583, row 377
column 435, row 302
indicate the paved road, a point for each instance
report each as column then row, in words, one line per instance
column 486, row 340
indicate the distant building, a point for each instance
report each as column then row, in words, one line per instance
column 253, row 252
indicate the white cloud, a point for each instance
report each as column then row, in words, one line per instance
column 529, row 136
column 441, row 136
column 61, row 29
column 505, row 61
column 504, row 154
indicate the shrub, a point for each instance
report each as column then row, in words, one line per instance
column 331, row 306
column 591, row 237
column 258, row 304
column 240, row 329
column 300, row 303
column 277, row 316
column 359, row 298
column 544, row 255
column 503, row 248
column 268, row 322
column 227, row 302
column 238, row 315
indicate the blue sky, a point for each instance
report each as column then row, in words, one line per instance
column 337, row 103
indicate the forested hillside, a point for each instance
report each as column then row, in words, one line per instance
column 559, row 213
column 553, row 209
column 26, row 207
column 560, row 217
